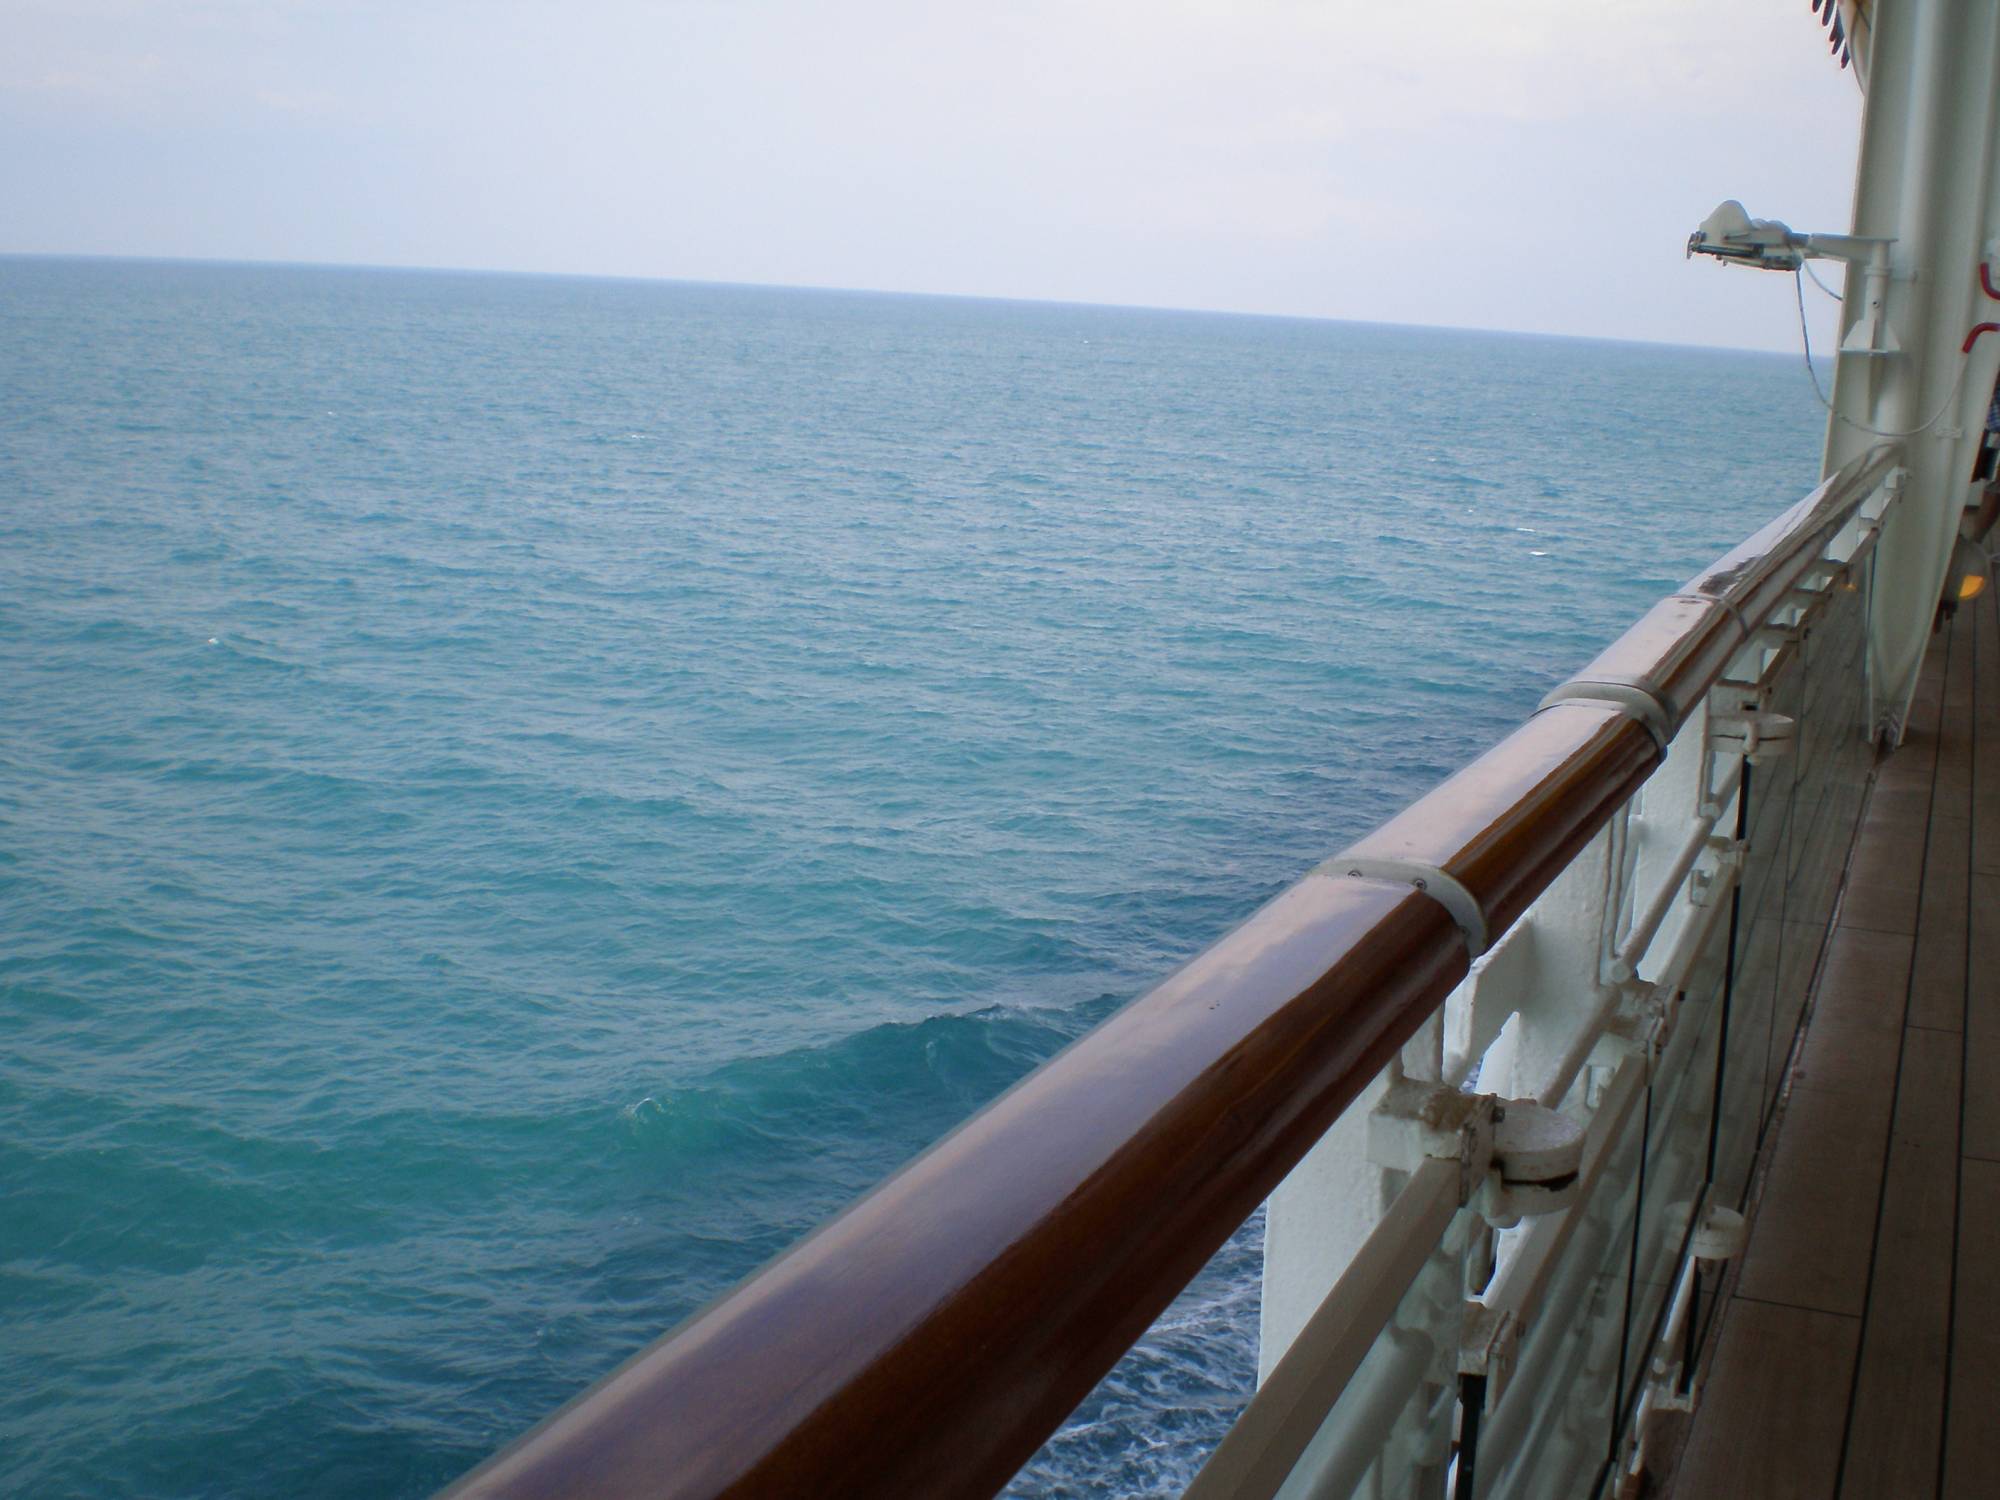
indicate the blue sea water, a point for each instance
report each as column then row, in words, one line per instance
column 520, row 796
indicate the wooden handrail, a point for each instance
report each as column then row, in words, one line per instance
column 929, row 1339
column 1680, row 647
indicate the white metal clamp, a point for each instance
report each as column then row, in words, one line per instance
column 1633, row 699
column 1441, row 887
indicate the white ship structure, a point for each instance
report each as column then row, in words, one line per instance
column 1627, row 1108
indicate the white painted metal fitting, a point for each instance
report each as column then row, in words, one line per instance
column 1631, row 697
column 1757, row 737
column 1417, row 1122
column 1444, row 888
column 1721, row 1235
column 1643, row 1026
column 1537, row 1156
column 1490, row 1345
column 1700, row 883
column 1518, row 1158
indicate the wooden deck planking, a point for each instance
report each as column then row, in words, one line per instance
column 1897, row 1416
column 1974, row 1366
column 1771, row 1415
column 1975, row 1354
column 1982, row 1032
column 1937, row 983
column 1865, row 1318
column 1986, row 732
column 1816, row 1218
column 1850, row 1046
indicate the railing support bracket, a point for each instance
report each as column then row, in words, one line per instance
column 1635, row 700
column 1537, row 1156
column 1516, row 1158
column 1441, row 886
column 1755, row 736
column 1417, row 1122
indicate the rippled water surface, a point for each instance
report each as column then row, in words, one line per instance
column 519, row 796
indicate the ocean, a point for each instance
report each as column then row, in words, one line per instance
column 520, row 796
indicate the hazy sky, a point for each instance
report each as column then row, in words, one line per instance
column 1533, row 164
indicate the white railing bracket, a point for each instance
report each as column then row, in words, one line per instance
column 1537, row 1156
column 1634, row 699
column 1417, row 1122
column 1490, row 1346
column 1756, row 736
column 1441, row 887
column 1720, row 1236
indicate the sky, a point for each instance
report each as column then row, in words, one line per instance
column 1531, row 165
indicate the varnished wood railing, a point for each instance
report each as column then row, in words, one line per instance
column 930, row 1338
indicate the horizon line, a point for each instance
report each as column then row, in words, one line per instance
column 252, row 262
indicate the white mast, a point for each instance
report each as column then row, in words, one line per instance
column 1926, row 183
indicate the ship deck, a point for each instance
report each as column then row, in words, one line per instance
column 1859, row 1352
